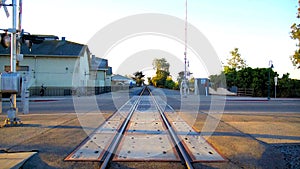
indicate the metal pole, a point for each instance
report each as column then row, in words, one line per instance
column 20, row 15
column 275, row 91
column 0, row 102
column 269, row 83
column 184, row 84
column 13, row 59
column 275, row 82
column 269, row 79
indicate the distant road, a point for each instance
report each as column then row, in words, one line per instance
column 107, row 102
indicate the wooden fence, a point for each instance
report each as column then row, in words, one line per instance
column 245, row 92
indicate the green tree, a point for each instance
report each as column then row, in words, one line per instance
column 231, row 76
column 149, row 80
column 217, row 81
column 244, row 77
column 160, row 79
column 180, row 77
column 288, row 87
column 169, row 84
column 295, row 34
column 162, row 72
column 138, row 77
column 236, row 62
column 161, row 64
column 257, row 79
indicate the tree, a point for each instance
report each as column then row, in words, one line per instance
column 236, row 62
column 180, row 77
column 161, row 64
column 170, row 84
column 162, row 72
column 231, row 75
column 160, row 79
column 257, row 79
column 150, row 81
column 138, row 77
column 217, row 81
column 295, row 34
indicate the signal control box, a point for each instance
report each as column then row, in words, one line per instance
column 10, row 83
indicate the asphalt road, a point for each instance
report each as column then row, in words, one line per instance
column 111, row 101
column 252, row 133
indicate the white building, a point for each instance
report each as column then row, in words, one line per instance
column 101, row 74
column 63, row 67
column 119, row 80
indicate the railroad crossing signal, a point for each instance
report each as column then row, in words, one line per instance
column 2, row 3
column 24, row 38
column 5, row 40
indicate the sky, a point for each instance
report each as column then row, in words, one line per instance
column 259, row 28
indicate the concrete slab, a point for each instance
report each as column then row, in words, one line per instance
column 174, row 117
column 146, row 117
column 93, row 148
column 110, row 126
column 154, row 127
column 182, row 128
column 146, row 147
column 14, row 160
column 125, row 108
column 146, row 108
column 119, row 116
column 199, row 149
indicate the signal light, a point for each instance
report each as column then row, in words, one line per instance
column 28, row 44
column 5, row 40
column 31, row 39
column 27, row 39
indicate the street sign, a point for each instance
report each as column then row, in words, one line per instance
column 2, row 3
column 276, row 80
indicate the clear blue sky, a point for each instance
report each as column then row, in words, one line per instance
column 259, row 28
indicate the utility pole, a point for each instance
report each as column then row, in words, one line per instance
column 13, row 57
column 184, row 86
column 11, row 81
column 275, row 82
column 269, row 78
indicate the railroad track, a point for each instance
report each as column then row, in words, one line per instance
column 145, row 129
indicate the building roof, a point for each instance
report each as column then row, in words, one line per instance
column 125, row 80
column 120, row 78
column 100, row 64
column 50, row 48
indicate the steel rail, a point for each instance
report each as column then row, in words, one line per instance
column 182, row 151
column 112, row 148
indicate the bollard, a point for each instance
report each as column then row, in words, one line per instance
column 11, row 114
column 26, row 103
column 0, row 102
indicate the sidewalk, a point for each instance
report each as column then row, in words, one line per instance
column 44, row 98
column 241, row 98
column 14, row 160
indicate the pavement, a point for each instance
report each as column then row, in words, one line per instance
column 247, row 138
column 14, row 160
